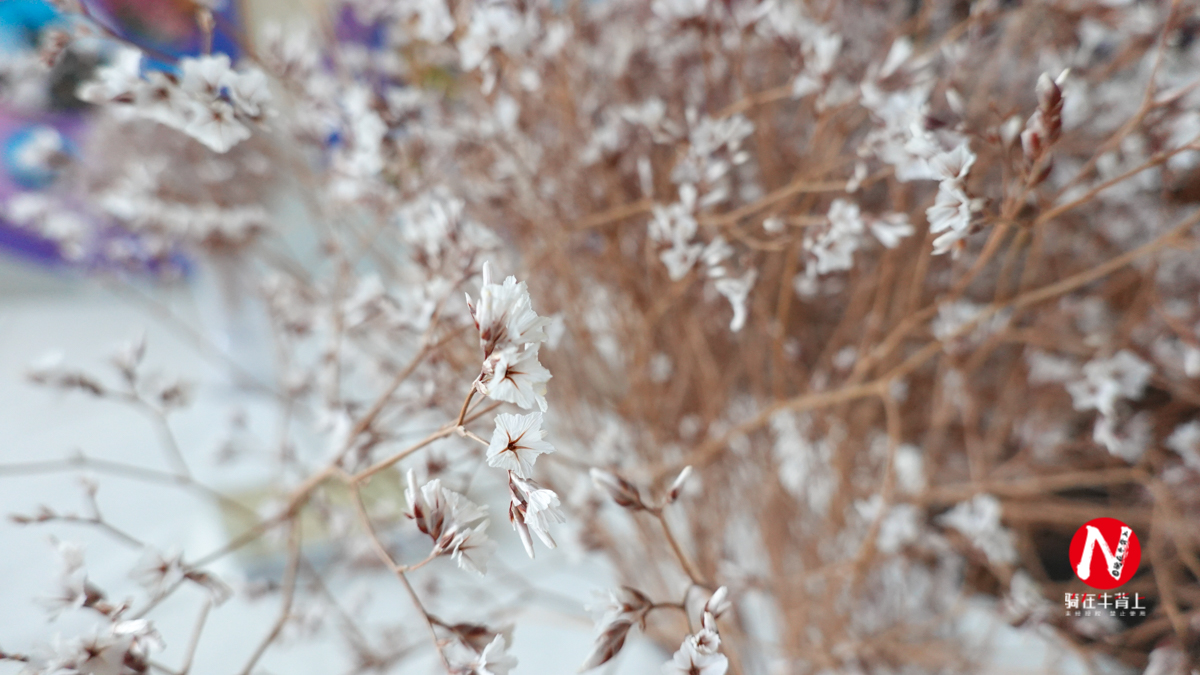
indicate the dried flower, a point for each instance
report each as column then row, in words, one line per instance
column 531, row 508
column 456, row 525
column 493, row 659
column 622, row 491
column 698, row 656
column 678, row 483
column 515, row 376
column 517, row 442
column 979, row 521
column 504, row 315
column 608, row 644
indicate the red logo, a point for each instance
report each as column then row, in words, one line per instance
column 1105, row 553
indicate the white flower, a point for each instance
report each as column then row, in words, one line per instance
column 504, row 315
column 698, row 656
column 1185, row 440
column 890, row 228
column 96, row 655
column 515, row 376
column 679, row 9
column 953, row 164
column 1128, row 442
column 1105, row 381
column 493, row 660
column 834, row 248
column 449, row 519
column 676, row 225
column 979, row 521
column 950, row 213
column 737, row 291
column 158, row 572
column 119, row 79
column 531, row 507
column 203, row 76
column 517, row 442
column 472, row 548
column 215, row 125
column 73, row 593
column 680, row 258
column 718, row 603
column 163, row 101
column 249, row 91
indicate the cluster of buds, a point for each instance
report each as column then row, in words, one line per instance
column 1044, row 127
column 530, row 508
column 699, row 652
column 626, row 494
column 456, row 525
column 626, row 607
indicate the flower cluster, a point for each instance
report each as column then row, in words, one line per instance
column 1105, row 383
column 205, row 98
column 510, row 334
column 457, row 526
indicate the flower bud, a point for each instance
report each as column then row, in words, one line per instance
column 677, row 485
column 1048, row 93
column 719, row 603
column 608, row 644
column 622, row 491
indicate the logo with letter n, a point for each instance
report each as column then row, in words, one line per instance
column 1119, row 551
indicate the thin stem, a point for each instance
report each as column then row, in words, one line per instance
column 380, row 550
column 688, row 567
column 289, row 594
column 174, row 453
column 711, row 449
column 428, row 619
column 467, row 433
column 195, row 639
column 368, row 419
column 462, row 414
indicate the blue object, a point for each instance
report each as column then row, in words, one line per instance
column 21, row 21
column 20, row 155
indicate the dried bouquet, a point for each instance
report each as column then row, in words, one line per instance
column 815, row 319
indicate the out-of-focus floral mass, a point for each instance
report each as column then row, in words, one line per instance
column 811, row 319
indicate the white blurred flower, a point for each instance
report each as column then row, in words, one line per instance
column 215, row 125
column 953, row 165
column 249, row 91
column 1185, row 440
column 203, row 76
column 471, row 548
column 161, row 100
column 737, row 290
column 494, row 659
column 698, row 656
column 121, row 78
column 890, row 228
column 679, row 9
column 834, row 248
column 1127, row 441
column 158, row 572
column 1105, row 381
column 950, row 214
column 979, row 521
